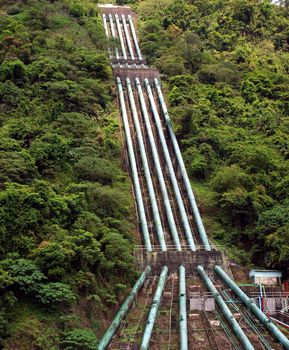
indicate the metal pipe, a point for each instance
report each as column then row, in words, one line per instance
column 120, row 37
column 192, row 199
column 280, row 322
column 133, row 165
column 174, row 181
column 113, row 35
column 161, row 180
column 105, row 25
column 127, row 37
column 225, row 310
column 254, row 308
column 183, row 309
column 134, row 37
column 104, row 342
column 154, row 310
column 151, row 191
column 106, row 31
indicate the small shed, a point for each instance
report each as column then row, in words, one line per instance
column 266, row 277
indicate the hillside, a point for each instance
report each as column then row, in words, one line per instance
column 67, row 217
column 66, row 213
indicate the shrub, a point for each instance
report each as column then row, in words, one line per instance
column 55, row 293
column 92, row 168
column 27, row 275
column 79, row 339
column 14, row 70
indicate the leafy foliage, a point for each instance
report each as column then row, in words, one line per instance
column 66, row 214
column 79, row 339
column 226, row 70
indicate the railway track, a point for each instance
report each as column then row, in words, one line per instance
column 181, row 300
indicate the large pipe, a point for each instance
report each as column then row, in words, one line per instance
column 154, row 310
column 134, row 37
column 225, row 310
column 127, row 37
column 120, row 37
column 151, row 191
column 105, row 25
column 113, row 35
column 134, row 171
column 166, row 200
column 174, row 181
column 183, row 309
column 254, row 308
column 123, row 310
column 192, row 199
column 106, row 31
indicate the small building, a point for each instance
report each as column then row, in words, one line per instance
column 266, row 277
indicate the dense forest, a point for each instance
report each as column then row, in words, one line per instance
column 66, row 212
column 225, row 66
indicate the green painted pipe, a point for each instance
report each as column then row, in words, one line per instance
column 253, row 307
column 123, row 310
column 134, row 171
column 106, row 31
column 124, row 55
column 158, row 168
column 192, row 199
column 145, row 164
column 134, row 37
column 113, row 35
column 225, row 310
column 183, row 309
column 154, row 310
column 173, row 178
column 127, row 37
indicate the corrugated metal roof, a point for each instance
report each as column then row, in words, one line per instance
column 265, row 273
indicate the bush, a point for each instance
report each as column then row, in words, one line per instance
column 53, row 293
column 17, row 167
column 14, row 70
column 92, row 168
column 79, row 339
column 14, row 10
column 27, row 275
